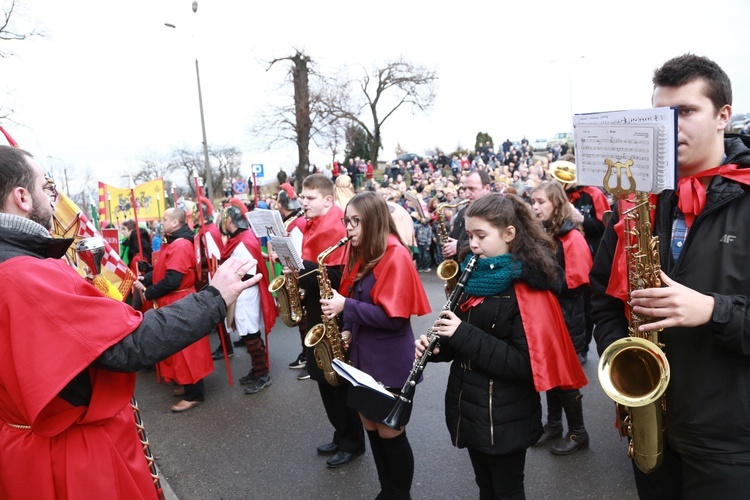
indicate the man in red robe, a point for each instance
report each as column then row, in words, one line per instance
column 173, row 278
column 253, row 306
column 68, row 355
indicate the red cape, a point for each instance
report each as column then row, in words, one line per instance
column 690, row 200
column 323, row 232
column 194, row 362
column 403, row 301
column 554, row 362
column 578, row 261
column 601, row 205
column 251, row 242
column 70, row 452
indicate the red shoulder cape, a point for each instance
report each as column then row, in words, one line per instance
column 553, row 359
column 403, row 294
column 578, row 259
column 251, row 242
column 323, row 232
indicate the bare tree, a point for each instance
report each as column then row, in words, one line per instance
column 225, row 163
column 11, row 31
column 152, row 168
column 305, row 119
column 291, row 122
column 379, row 95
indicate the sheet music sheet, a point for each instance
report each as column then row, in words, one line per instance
column 266, row 223
column 647, row 137
column 286, row 251
column 359, row 378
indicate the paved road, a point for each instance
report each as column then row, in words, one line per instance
column 236, row 446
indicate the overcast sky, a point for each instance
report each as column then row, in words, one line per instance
column 109, row 84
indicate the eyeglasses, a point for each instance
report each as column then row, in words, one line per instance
column 354, row 221
column 50, row 188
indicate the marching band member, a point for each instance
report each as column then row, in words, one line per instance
column 289, row 208
column 702, row 229
column 508, row 341
column 322, row 231
column 562, row 222
column 380, row 291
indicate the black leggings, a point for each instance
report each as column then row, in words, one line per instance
column 499, row 476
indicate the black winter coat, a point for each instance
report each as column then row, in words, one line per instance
column 491, row 405
column 707, row 401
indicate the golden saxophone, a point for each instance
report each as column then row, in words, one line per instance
column 448, row 269
column 287, row 291
column 325, row 338
column 634, row 371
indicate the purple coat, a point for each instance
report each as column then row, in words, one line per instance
column 380, row 346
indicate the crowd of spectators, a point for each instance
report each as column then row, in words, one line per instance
column 423, row 185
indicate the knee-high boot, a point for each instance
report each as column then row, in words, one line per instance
column 577, row 438
column 381, row 464
column 553, row 427
column 400, row 465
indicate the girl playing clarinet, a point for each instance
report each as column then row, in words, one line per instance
column 380, row 291
column 507, row 340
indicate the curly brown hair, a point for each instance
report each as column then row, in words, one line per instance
column 531, row 245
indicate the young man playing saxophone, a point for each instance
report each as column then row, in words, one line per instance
column 323, row 230
column 703, row 303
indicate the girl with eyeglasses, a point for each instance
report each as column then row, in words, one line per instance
column 380, row 290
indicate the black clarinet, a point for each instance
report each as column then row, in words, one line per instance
column 401, row 411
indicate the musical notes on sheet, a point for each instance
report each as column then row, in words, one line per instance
column 645, row 137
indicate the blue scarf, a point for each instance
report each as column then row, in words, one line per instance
column 492, row 275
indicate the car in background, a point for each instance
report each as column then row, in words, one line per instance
column 562, row 138
column 407, row 157
column 540, row 145
column 739, row 122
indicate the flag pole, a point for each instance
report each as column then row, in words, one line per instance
column 135, row 216
column 212, row 266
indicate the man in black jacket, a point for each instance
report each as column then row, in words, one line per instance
column 703, row 308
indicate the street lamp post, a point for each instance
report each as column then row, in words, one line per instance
column 209, row 176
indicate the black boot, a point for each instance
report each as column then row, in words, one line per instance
column 381, row 464
column 577, row 438
column 553, row 427
column 400, row 465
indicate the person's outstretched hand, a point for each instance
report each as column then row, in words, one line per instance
column 229, row 278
